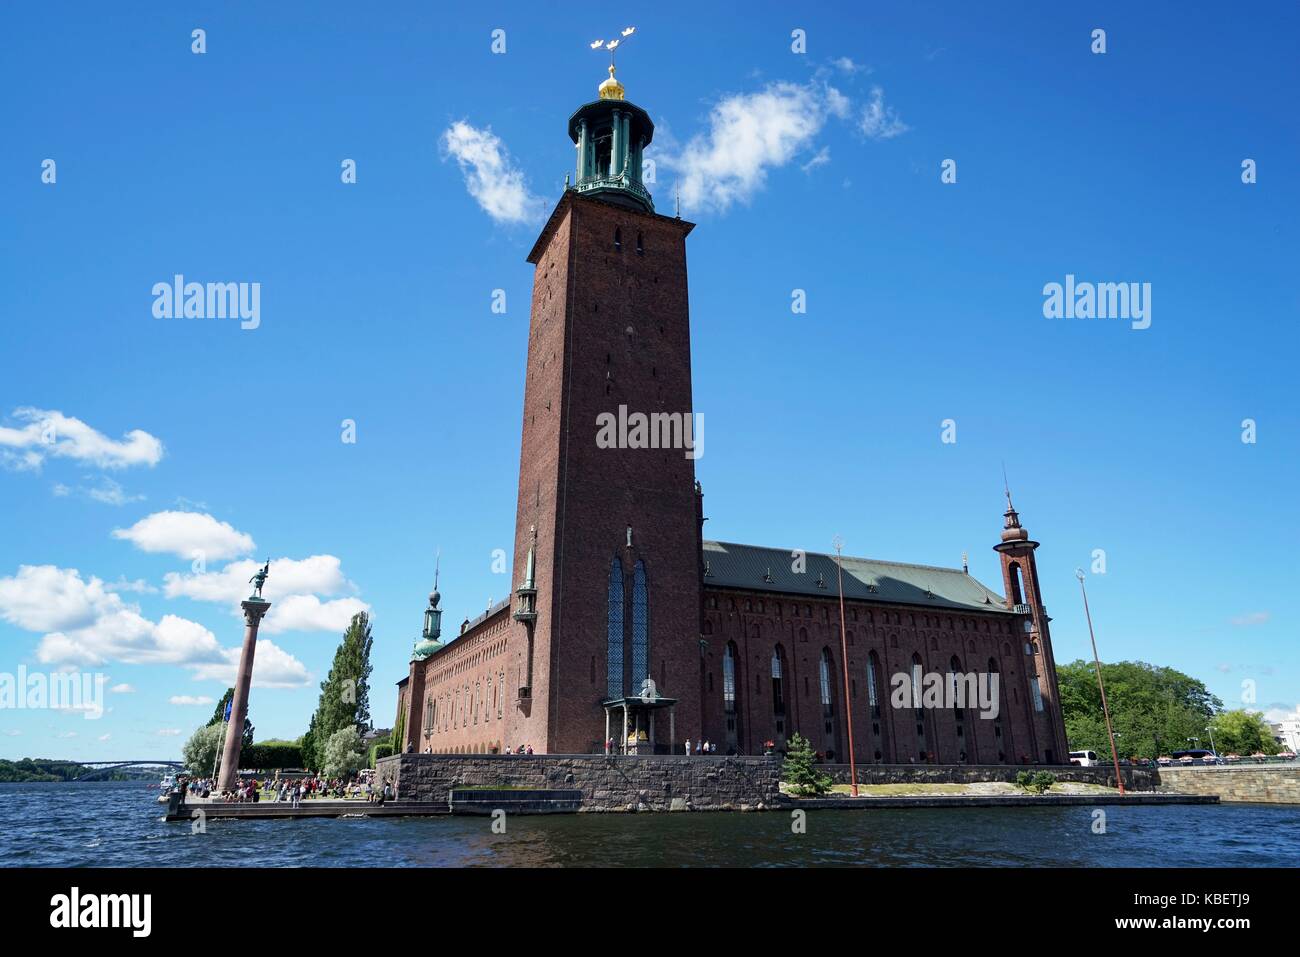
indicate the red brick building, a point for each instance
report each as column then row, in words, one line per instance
column 627, row 629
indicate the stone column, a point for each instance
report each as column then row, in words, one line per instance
column 254, row 609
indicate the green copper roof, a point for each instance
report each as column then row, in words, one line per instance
column 728, row 565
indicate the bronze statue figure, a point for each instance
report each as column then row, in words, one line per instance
column 259, row 579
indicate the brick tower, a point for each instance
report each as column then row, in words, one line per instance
column 1020, row 585
column 607, row 541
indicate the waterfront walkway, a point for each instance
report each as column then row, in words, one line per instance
column 261, row 810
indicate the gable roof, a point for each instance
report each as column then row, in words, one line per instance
column 756, row 568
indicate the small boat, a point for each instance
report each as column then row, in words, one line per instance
column 166, row 786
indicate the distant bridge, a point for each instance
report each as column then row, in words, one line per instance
column 96, row 768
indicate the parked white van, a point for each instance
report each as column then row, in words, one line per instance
column 1084, row 759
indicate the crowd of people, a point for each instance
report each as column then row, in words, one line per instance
column 290, row 790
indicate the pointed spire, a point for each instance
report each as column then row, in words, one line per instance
column 1011, row 527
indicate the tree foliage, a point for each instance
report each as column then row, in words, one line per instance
column 1243, row 732
column 799, row 772
column 200, row 751
column 343, row 755
column 1154, row 710
column 344, row 694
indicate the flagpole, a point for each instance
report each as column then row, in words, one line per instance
column 1105, row 709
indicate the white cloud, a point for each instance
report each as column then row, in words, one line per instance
column 294, row 588
column 122, row 689
column 309, row 613
column 491, row 176
column 190, row 699
column 46, row 598
column 104, row 737
column 89, row 626
column 878, row 121
column 317, row 575
column 168, row 732
column 822, row 157
column 110, row 492
column 47, row 433
column 138, row 585
column 749, row 133
column 1251, row 618
column 11, row 733
column 273, row 667
column 184, row 533
column 846, row 65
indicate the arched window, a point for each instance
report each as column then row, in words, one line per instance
column 618, row 239
column 729, row 713
column 640, row 629
column 954, row 677
column 428, row 715
column 1017, row 592
column 873, row 692
column 803, row 634
column 614, row 634
column 824, row 675
column 778, row 678
column 828, row 703
column 729, row 678
column 640, row 244
column 501, row 683
column 916, row 706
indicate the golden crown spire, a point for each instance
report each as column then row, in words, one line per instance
column 611, row 89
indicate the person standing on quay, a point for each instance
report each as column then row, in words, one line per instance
column 688, row 747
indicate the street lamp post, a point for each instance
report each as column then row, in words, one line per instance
column 844, row 660
column 1101, row 685
column 1212, row 747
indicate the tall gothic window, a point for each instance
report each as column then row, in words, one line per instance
column 778, row 677
column 729, row 678
column 729, row 713
column 640, row 629
column 614, row 636
column 873, row 695
column 828, row 706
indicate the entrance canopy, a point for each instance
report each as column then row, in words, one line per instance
column 638, row 716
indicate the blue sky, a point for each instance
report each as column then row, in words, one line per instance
column 817, row 171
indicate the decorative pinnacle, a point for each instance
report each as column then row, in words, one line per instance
column 611, row 89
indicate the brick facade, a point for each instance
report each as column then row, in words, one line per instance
column 609, row 328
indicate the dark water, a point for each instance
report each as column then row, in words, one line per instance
column 118, row 825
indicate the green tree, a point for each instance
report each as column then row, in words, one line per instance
column 1243, row 732
column 1154, row 710
column 219, row 716
column 343, row 755
column 799, row 773
column 200, row 751
column 344, row 694
column 398, row 741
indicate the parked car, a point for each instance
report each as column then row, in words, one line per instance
column 1084, row 759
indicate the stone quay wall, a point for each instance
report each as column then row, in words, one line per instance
column 1135, row 779
column 1263, row 784
column 607, row 782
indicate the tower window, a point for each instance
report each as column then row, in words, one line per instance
column 640, row 245
column 618, row 239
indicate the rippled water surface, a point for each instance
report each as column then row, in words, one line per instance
column 118, row 825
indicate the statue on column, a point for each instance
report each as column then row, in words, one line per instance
column 259, row 579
